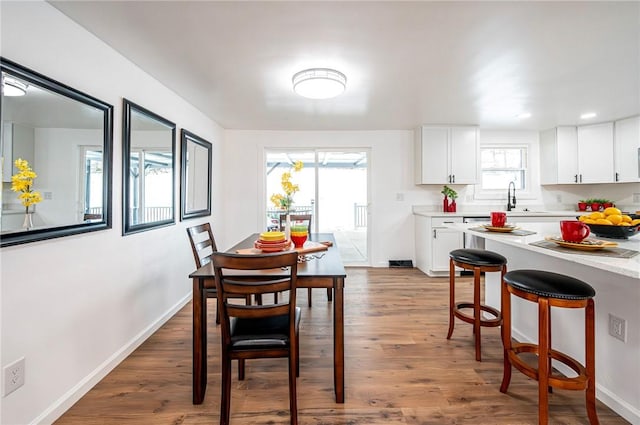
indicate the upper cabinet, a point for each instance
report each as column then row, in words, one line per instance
column 626, row 149
column 572, row 155
column 446, row 155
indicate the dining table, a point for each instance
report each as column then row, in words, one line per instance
column 322, row 269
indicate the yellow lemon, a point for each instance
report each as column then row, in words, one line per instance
column 611, row 211
column 596, row 215
column 583, row 217
column 626, row 218
column 624, row 224
column 635, row 222
column 615, row 218
column 589, row 221
column 603, row 221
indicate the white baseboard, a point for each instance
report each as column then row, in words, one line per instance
column 64, row 403
column 606, row 396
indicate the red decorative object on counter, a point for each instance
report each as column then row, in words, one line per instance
column 445, row 204
column 452, row 206
column 582, row 206
column 595, row 206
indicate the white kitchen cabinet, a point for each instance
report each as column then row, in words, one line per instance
column 595, row 153
column 446, row 155
column 434, row 241
column 626, row 150
column 583, row 154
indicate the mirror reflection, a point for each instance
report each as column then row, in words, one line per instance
column 65, row 138
column 195, row 186
column 149, row 163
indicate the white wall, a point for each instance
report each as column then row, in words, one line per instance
column 75, row 306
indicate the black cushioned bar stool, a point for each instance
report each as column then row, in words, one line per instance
column 478, row 260
column 548, row 290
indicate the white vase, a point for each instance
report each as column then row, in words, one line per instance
column 287, row 227
column 28, row 221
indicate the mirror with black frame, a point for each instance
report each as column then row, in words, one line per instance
column 63, row 138
column 148, row 168
column 195, row 181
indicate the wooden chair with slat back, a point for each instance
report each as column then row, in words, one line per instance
column 203, row 244
column 306, row 218
column 257, row 331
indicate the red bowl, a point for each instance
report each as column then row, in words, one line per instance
column 298, row 240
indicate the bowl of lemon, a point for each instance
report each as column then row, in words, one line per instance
column 612, row 223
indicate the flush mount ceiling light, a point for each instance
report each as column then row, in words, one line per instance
column 13, row 87
column 524, row 115
column 319, row 83
column 588, row 115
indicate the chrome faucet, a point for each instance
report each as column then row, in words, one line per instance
column 510, row 197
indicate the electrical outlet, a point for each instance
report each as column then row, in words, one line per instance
column 617, row 327
column 558, row 198
column 399, row 196
column 13, row 376
column 636, row 198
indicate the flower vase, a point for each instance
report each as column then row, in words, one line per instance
column 452, row 206
column 287, row 227
column 27, row 224
column 445, row 204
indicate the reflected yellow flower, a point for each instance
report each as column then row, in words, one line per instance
column 22, row 181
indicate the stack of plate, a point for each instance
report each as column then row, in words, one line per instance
column 272, row 242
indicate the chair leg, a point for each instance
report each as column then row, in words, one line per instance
column 543, row 361
column 309, row 296
column 590, row 362
column 297, row 357
column 329, row 294
column 452, row 297
column 225, row 402
column 240, row 369
column 293, row 400
column 505, row 308
column 477, row 312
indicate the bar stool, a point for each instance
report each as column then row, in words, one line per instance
column 548, row 290
column 479, row 261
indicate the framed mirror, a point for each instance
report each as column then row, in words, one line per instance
column 195, row 181
column 149, row 169
column 64, row 137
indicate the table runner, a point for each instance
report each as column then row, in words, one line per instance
column 605, row 252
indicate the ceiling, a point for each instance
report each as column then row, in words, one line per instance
column 407, row 63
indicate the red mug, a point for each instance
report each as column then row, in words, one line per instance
column 574, row 231
column 498, row 219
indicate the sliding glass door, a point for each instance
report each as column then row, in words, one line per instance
column 332, row 186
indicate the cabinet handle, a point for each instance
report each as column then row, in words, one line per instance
column 580, row 178
column 575, row 178
column 434, row 233
column 454, row 178
column 638, row 162
column 617, row 179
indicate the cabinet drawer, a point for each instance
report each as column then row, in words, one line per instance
column 440, row 221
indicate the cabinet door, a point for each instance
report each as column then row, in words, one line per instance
column 567, row 151
column 433, row 155
column 626, row 149
column 444, row 241
column 463, row 154
column 595, row 153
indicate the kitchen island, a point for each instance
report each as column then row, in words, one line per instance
column 617, row 285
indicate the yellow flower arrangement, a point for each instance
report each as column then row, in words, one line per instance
column 284, row 201
column 22, row 183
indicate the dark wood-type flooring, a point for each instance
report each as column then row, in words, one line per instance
column 399, row 369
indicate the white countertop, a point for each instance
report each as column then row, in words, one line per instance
column 425, row 213
column 624, row 266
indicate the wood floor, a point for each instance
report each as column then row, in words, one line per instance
column 399, row 369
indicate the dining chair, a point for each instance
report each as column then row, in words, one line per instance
column 257, row 331
column 203, row 245
column 306, row 218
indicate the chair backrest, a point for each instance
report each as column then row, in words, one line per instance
column 202, row 243
column 294, row 218
column 255, row 280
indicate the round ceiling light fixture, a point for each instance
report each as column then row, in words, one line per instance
column 319, row 83
column 13, row 87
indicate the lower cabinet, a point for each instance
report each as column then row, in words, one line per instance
column 434, row 241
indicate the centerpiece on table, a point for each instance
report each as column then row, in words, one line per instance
column 22, row 183
column 449, row 194
column 284, row 201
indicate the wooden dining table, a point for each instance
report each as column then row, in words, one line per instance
column 322, row 269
